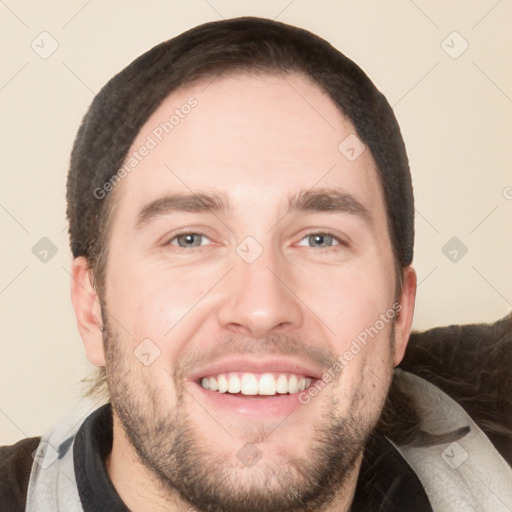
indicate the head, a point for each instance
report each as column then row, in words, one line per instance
column 241, row 214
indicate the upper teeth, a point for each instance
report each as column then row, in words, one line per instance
column 254, row 384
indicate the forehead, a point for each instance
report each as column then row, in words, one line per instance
column 252, row 138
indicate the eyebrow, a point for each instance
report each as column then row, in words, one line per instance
column 181, row 202
column 318, row 200
column 329, row 201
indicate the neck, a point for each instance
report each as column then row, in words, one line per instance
column 137, row 486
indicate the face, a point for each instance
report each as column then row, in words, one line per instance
column 249, row 296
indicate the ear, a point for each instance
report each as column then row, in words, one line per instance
column 87, row 310
column 405, row 314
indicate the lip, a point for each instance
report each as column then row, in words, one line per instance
column 252, row 406
column 268, row 364
column 255, row 406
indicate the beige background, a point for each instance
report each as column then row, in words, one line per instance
column 455, row 115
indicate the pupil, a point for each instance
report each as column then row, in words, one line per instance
column 320, row 239
column 188, row 240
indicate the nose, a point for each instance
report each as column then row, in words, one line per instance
column 258, row 297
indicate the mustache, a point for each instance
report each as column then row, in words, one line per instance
column 274, row 344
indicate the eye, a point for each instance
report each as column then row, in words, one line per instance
column 188, row 240
column 322, row 240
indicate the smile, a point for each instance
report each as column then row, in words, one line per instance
column 266, row 384
column 257, row 387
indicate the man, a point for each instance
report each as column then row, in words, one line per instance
column 241, row 221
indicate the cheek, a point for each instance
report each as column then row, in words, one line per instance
column 155, row 302
column 350, row 299
column 357, row 308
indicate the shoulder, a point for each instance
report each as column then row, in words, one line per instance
column 15, row 467
column 471, row 364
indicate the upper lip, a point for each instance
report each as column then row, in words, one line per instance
column 267, row 364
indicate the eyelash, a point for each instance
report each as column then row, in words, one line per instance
column 339, row 240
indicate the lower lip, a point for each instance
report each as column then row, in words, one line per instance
column 253, row 405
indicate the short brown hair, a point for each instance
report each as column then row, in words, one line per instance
column 119, row 110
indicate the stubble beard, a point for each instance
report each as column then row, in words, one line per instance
column 170, row 446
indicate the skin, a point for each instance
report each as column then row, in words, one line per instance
column 255, row 140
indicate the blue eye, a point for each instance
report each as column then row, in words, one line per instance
column 322, row 240
column 188, row 240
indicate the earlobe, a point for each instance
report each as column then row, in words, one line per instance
column 87, row 310
column 403, row 322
